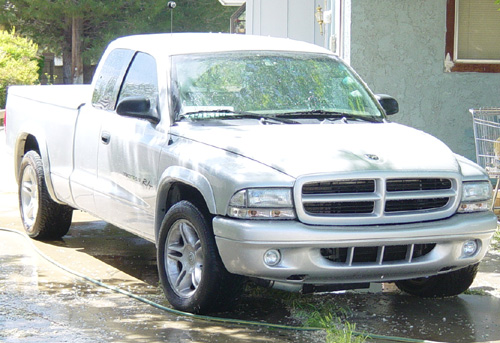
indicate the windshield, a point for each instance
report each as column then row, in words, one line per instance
column 269, row 84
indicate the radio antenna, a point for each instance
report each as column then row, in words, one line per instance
column 171, row 5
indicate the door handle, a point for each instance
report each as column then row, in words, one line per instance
column 105, row 137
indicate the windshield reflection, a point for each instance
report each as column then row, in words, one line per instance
column 272, row 84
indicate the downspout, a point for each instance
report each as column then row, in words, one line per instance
column 345, row 17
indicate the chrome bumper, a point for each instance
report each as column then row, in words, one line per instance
column 242, row 245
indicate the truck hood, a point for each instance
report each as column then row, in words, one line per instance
column 332, row 148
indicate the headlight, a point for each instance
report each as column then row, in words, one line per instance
column 476, row 196
column 262, row 203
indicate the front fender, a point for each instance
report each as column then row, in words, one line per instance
column 188, row 177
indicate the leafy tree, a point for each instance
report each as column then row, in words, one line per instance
column 80, row 29
column 18, row 62
column 191, row 16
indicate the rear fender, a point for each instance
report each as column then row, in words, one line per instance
column 20, row 149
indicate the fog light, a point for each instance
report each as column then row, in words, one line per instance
column 272, row 257
column 470, row 248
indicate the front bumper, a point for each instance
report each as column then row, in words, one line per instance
column 242, row 244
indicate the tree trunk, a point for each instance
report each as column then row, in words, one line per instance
column 66, row 50
column 76, row 50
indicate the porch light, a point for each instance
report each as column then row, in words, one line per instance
column 319, row 18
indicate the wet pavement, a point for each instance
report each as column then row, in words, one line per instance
column 39, row 302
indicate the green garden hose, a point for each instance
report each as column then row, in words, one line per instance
column 196, row 316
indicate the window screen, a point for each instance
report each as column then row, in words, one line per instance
column 477, row 30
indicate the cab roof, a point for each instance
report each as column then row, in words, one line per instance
column 191, row 43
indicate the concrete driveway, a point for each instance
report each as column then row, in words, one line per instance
column 42, row 303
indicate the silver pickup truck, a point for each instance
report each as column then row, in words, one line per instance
column 248, row 157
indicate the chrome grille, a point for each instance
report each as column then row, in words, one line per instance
column 362, row 199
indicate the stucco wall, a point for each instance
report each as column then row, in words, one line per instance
column 397, row 46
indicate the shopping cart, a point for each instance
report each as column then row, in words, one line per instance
column 487, row 138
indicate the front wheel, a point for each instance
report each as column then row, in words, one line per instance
column 42, row 217
column 191, row 271
column 443, row 285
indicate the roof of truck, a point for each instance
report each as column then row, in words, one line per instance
column 189, row 43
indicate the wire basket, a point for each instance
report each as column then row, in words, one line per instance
column 487, row 139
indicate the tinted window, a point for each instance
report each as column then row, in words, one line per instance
column 108, row 85
column 142, row 80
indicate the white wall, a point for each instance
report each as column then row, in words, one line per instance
column 285, row 18
column 398, row 48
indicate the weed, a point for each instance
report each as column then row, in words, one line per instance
column 341, row 332
column 495, row 243
column 328, row 316
column 476, row 291
column 312, row 312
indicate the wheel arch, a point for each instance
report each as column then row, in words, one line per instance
column 25, row 142
column 179, row 183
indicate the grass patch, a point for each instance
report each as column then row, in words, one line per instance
column 328, row 316
column 341, row 332
column 476, row 291
column 311, row 311
column 495, row 242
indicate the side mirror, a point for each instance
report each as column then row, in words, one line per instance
column 388, row 103
column 136, row 107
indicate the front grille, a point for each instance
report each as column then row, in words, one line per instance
column 402, row 185
column 339, row 207
column 377, row 254
column 368, row 200
column 415, row 204
column 344, row 186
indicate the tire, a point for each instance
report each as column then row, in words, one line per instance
column 443, row 285
column 42, row 217
column 191, row 271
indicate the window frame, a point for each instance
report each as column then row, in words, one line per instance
column 461, row 66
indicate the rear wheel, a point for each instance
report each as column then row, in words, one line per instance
column 42, row 217
column 191, row 271
column 443, row 285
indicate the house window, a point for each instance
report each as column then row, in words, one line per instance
column 472, row 36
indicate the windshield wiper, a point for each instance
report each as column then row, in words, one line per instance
column 323, row 114
column 231, row 114
column 213, row 114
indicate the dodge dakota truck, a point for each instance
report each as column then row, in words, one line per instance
column 249, row 158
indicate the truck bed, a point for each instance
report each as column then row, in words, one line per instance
column 67, row 96
column 31, row 110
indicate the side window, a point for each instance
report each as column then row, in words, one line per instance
column 141, row 80
column 111, row 75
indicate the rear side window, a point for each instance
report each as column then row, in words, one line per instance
column 142, row 80
column 112, row 73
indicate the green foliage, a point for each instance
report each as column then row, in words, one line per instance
column 495, row 243
column 48, row 23
column 341, row 332
column 476, row 291
column 329, row 316
column 190, row 16
column 18, row 62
